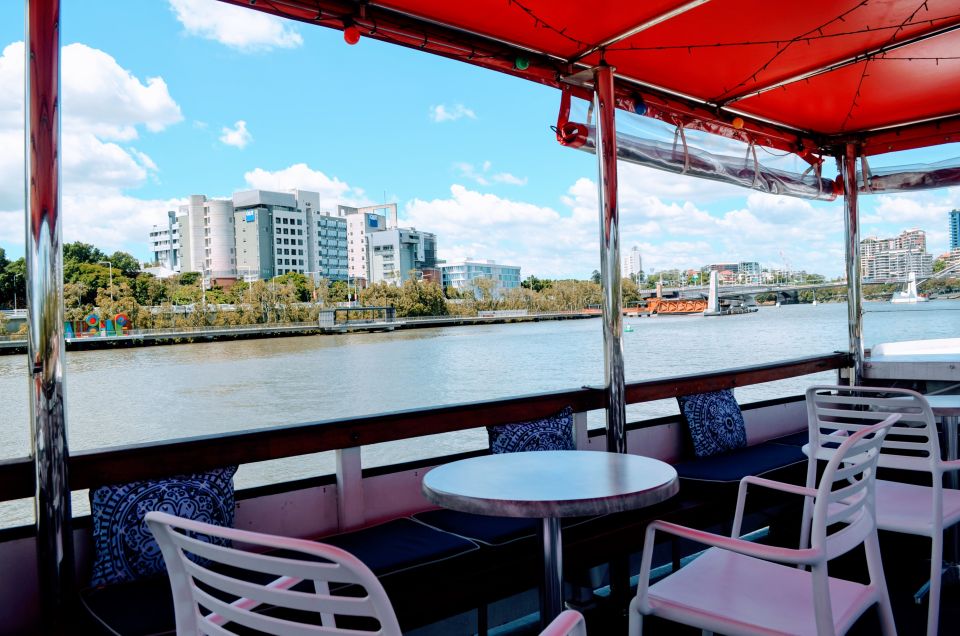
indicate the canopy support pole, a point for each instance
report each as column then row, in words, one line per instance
column 45, row 347
column 852, row 237
column 605, row 109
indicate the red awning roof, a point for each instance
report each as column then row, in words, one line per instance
column 811, row 75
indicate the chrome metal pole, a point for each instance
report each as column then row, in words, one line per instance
column 852, row 236
column 45, row 348
column 610, row 259
column 551, row 594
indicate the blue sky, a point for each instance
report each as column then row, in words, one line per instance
column 167, row 98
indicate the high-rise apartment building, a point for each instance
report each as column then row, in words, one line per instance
column 896, row 257
column 632, row 263
column 954, row 230
column 206, row 236
column 748, row 273
column 461, row 275
column 165, row 243
column 393, row 254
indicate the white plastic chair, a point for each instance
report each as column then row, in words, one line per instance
column 912, row 445
column 740, row 587
column 221, row 585
column 567, row 623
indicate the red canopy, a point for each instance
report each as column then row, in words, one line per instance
column 804, row 76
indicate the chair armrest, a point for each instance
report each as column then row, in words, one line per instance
column 282, row 583
column 791, row 556
column 766, row 483
column 947, row 466
column 769, row 553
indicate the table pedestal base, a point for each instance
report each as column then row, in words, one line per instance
column 551, row 593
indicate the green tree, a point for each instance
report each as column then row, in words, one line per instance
column 534, row 283
column 82, row 253
column 421, row 299
column 124, row 263
column 939, row 265
column 338, row 292
column 595, row 276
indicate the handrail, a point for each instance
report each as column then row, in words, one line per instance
column 169, row 457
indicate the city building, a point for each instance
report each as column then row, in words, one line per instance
column 325, row 238
column 886, row 258
column 361, row 223
column 206, row 234
column 329, row 255
column 749, row 273
column 393, row 254
column 633, row 264
column 954, row 229
column 271, row 237
column 165, row 243
column 460, row 275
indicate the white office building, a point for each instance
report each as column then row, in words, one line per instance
column 361, row 223
column 396, row 253
column 206, row 233
column 165, row 243
column 460, row 275
column 271, row 234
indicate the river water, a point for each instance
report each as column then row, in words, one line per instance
column 137, row 395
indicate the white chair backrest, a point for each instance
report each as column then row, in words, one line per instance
column 836, row 411
column 850, row 478
column 567, row 623
column 312, row 583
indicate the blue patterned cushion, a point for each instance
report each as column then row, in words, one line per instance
column 125, row 549
column 714, row 421
column 550, row 433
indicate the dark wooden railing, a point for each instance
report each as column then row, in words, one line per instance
column 171, row 457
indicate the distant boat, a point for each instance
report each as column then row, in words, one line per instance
column 628, row 328
column 910, row 295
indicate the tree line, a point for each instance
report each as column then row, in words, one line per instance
column 108, row 284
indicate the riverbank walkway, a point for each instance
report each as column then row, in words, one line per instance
column 153, row 337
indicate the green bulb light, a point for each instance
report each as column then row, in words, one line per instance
column 521, row 63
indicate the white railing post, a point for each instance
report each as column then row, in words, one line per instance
column 350, row 507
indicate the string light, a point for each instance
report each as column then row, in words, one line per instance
column 866, row 64
column 801, row 39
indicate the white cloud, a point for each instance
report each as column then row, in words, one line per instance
column 442, row 113
column 486, row 226
column 104, row 106
column 506, row 177
column 235, row 27
column 483, row 176
column 332, row 190
column 238, row 136
column 101, row 97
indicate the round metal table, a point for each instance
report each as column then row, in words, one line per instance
column 551, row 485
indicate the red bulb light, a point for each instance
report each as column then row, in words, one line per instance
column 351, row 35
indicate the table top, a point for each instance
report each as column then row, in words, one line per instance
column 944, row 404
column 551, row 483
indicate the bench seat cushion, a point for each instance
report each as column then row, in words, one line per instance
column 732, row 466
column 491, row 531
column 797, row 439
column 400, row 544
